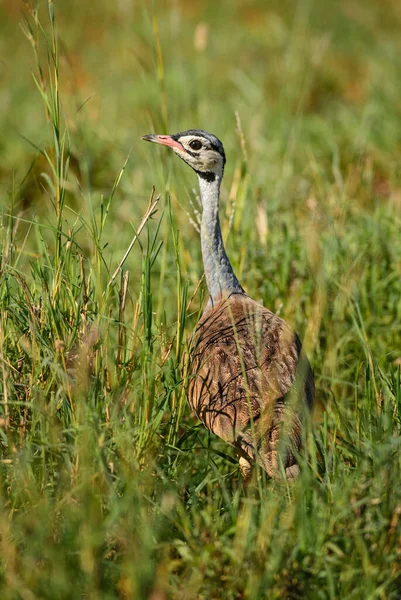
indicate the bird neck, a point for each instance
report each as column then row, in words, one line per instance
column 220, row 277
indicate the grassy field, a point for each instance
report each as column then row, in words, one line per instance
column 109, row 486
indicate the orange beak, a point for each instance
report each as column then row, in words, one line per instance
column 165, row 140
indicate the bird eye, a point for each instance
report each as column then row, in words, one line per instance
column 195, row 144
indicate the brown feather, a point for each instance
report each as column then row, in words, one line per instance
column 250, row 382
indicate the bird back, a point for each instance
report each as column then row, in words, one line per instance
column 248, row 371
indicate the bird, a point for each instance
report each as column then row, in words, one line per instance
column 250, row 381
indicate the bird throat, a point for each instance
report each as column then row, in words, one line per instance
column 220, row 277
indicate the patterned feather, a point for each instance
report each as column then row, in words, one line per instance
column 251, row 383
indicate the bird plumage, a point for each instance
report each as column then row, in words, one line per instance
column 245, row 362
column 250, row 383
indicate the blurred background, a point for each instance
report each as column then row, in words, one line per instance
column 305, row 96
column 312, row 82
column 109, row 482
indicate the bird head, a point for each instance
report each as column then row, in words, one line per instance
column 200, row 150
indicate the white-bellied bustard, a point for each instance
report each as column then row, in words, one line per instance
column 251, row 383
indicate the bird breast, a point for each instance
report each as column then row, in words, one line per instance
column 244, row 361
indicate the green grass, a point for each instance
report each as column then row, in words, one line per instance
column 109, row 487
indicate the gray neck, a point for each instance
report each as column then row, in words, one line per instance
column 220, row 277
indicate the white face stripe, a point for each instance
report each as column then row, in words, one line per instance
column 206, row 159
column 186, row 139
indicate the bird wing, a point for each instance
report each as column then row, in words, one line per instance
column 243, row 363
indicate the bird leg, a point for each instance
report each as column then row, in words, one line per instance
column 246, row 453
column 267, row 456
column 246, row 468
column 292, row 473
